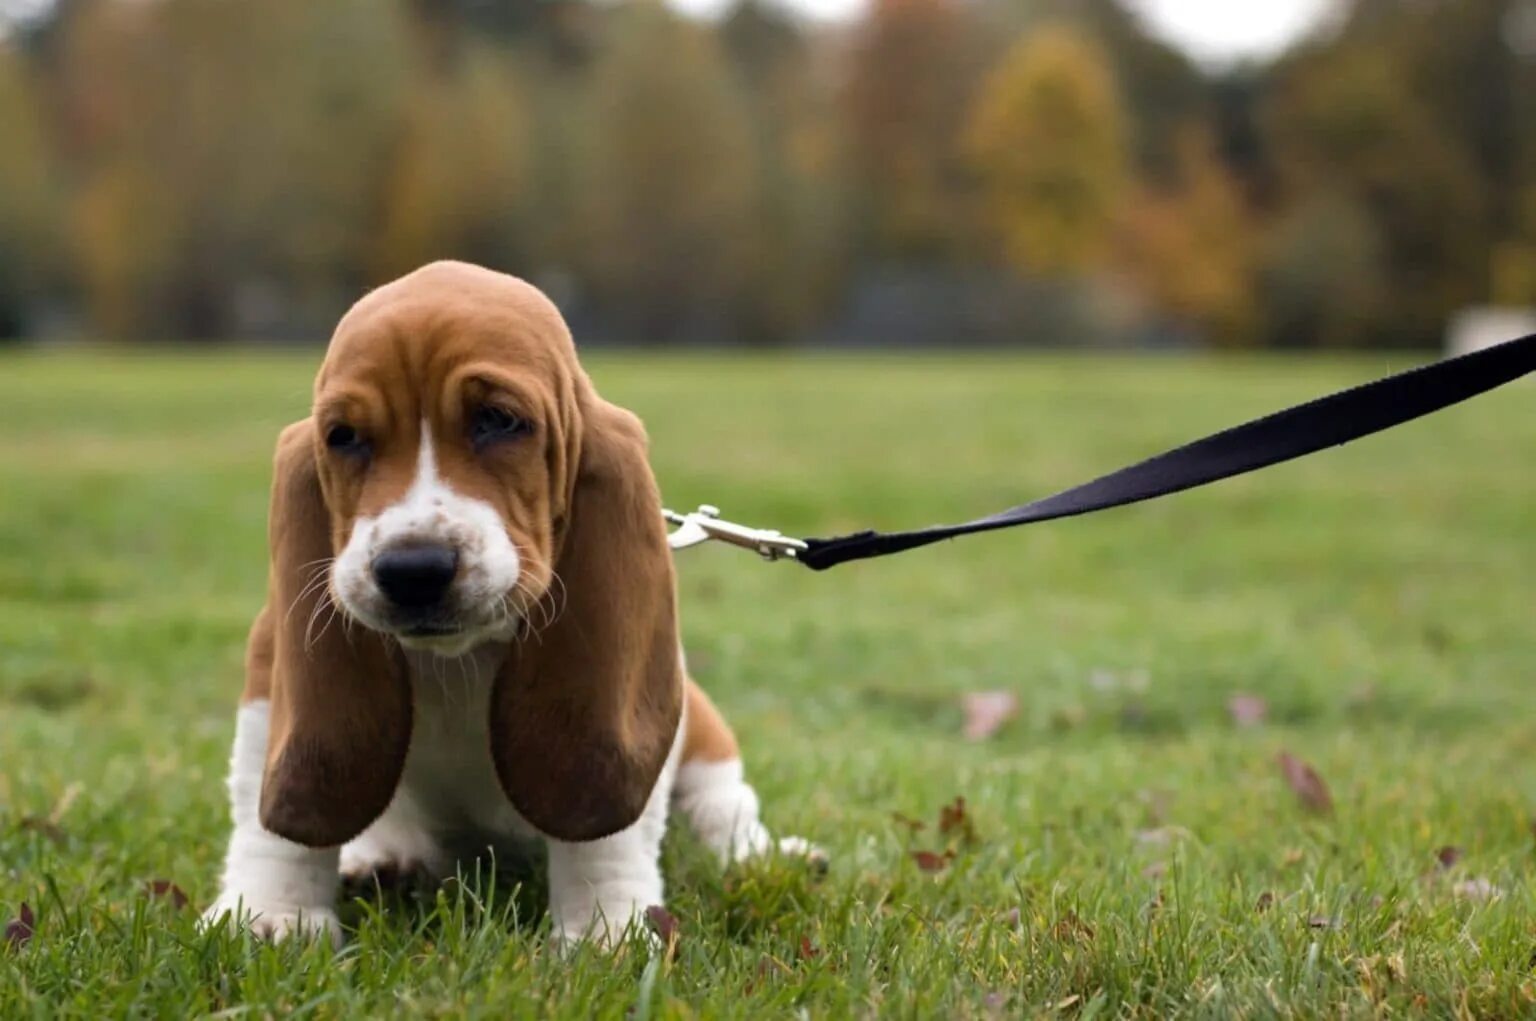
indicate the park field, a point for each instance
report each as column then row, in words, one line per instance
column 1130, row 845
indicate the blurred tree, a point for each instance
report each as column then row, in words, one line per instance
column 1047, row 139
column 670, row 189
column 796, row 261
column 1345, row 120
column 1514, row 258
column 458, row 181
column 1192, row 245
column 1325, row 280
column 27, row 227
column 1160, row 88
column 910, row 73
column 224, row 145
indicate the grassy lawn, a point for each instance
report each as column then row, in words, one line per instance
column 1135, row 851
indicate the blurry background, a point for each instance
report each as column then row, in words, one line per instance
column 1327, row 173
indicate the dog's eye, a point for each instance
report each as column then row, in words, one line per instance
column 345, row 440
column 490, row 423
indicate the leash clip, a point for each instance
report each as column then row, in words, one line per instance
column 706, row 523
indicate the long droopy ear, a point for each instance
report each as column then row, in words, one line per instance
column 585, row 710
column 341, row 703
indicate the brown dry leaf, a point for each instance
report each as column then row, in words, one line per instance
column 1448, row 856
column 987, row 711
column 1265, row 902
column 933, row 861
column 954, row 820
column 952, row 816
column 1307, row 785
column 1070, row 926
column 19, row 930
column 1247, row 710
column 164, row 889
column 46, row 828
column 664, row 924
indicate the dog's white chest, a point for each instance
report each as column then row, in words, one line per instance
column 449, row 781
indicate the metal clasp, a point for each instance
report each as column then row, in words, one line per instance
column 705, row 524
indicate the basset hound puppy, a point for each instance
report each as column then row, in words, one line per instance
column 470, row 634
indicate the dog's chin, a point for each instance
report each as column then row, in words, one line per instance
column 445, row 637
column 447, row 644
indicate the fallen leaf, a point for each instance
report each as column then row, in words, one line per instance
column 1265, row 902
column 1309, row 788
column 164, row 889
column 932, row 861
column 1247, row 710
column 664, row 924
column 1477, row 889
column 18, row 931
column 45, row 828
column 1070, row 926
column 1448, row 856
column 987, row 711
column 952, row 816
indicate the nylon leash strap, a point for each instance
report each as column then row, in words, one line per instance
column 1283, row 436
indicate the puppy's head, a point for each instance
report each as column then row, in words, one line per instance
column 447, row 424
column 459, row 482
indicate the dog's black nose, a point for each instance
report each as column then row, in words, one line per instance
column 416, row 577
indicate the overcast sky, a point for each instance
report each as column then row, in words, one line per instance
column 1212, row 31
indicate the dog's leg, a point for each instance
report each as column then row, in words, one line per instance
column 398, row 847
column 712, row 791
column 598, row 889
column 281, row 888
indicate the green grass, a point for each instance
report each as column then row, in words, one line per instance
column 1379, row 598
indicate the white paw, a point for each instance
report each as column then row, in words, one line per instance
column 606, row 931
column 376, row 859
column 275, row 922
column 798, row 847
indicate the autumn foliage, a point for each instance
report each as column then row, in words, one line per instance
column 938, row 171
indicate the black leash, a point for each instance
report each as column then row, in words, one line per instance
column 1285, row 435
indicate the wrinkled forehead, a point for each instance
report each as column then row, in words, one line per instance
column 416, row 341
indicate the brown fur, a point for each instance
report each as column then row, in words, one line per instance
column 585, row 712
column 709, row 737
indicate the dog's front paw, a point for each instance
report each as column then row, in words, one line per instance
column 276, row 922
column 607, row 930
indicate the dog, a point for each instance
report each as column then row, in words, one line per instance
column 470, row 635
